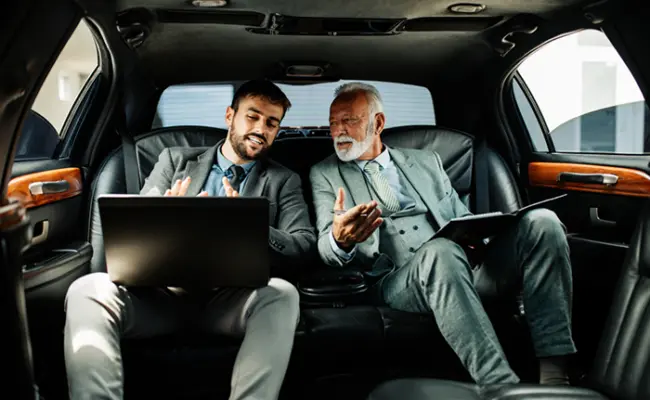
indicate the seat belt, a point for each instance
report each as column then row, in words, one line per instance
column 131, row 171
column 482, row 179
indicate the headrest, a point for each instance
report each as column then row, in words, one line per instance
column 149, row 145
column 456, row 149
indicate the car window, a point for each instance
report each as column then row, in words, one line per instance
column 205, row 104
column 577, row 95
column 44, row 125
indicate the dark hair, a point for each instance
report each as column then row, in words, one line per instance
column 264, row 89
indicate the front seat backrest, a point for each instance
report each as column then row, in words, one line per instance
column 110, row 177
column 622, row 363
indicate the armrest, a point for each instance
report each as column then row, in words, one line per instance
column 332, row 287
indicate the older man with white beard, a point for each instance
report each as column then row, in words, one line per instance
column 407, row 194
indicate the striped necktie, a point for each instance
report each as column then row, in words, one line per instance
column 380, row 184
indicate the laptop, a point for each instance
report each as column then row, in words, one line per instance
column 188, row 242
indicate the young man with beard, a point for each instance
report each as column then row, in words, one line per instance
column 101, row 313
column 377, row 209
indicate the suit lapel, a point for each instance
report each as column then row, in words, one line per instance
column 418, row 180
column 256, row 180
column 357, row 188
column 200, row 169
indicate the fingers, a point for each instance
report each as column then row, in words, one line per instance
column 355, row 212
column 339, row 203
column 175, row 188
column 184, row 186
column 227, row 186
column 230, row 192
column 367, row 221
column 179, row 188
column 370, row 229
column 202, row 194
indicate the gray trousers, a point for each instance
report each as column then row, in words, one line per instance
column 533, row 256
column 100, row 313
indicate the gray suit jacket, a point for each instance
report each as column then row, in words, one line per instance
column 291, row 234
column 423, row 168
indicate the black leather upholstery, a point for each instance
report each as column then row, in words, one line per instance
column 622, row 364
column 110, row 176
column 432, row 389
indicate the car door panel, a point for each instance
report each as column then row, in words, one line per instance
column 600, row 219
column 52, row 192
column 582, row 126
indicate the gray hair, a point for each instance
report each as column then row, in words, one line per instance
column 375, row 104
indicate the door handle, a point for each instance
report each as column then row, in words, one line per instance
column 597, row 221
column 45, row 228
column 49, row 187
column 578, row 177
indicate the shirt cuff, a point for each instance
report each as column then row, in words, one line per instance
column 342, row 254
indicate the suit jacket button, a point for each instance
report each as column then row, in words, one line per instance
column 412, row 250
column 401, row 231
column 375, row 254
column 415, row 228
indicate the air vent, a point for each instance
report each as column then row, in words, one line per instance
column 287, row 25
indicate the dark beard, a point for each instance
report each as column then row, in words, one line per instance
column 238, row 143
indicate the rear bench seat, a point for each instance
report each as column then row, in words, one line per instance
column 346, row 334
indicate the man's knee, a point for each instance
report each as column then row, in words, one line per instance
column 545, row 224
column 96, row 287
column 284, row 296
column 443, row 261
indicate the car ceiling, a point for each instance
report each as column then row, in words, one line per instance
column 177, row 52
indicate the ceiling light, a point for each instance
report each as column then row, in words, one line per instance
column 209, row 3
column 467, row 8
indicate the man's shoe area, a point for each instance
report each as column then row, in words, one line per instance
column 344, row 337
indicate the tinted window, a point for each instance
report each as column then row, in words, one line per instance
column 206, row 104
column 43, row 127
column 585, row 95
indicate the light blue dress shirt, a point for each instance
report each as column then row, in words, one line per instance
column 389, row 170
column 213, row 184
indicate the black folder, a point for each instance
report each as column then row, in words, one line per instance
column 476, row 228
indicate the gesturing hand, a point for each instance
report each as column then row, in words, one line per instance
column 356, row 224
column 180, row 188
column 230, row 192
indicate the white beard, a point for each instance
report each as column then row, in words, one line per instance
column 358, row 147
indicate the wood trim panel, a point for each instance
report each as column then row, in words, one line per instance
column 19, row 186
column 631, row 182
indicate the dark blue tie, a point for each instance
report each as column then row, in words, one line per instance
column 236, row 175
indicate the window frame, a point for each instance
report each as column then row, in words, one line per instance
column 82, row 102
column 539, row 117
column 512, row 105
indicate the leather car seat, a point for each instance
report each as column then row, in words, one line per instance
column 622, row 361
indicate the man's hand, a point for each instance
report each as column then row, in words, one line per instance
column 230, row 192
column 356, row 224
column 180, row 188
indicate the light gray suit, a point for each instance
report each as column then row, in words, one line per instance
column 420, row 274
column 100, row 313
